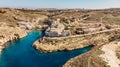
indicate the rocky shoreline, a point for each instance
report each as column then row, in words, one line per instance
column 15, row 24
column 9, row 34
column 71, row 43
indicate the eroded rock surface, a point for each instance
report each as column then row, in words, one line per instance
column 75, row 42
column 8, row 34
column 110, row 53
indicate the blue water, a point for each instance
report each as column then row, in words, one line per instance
column 22, row 54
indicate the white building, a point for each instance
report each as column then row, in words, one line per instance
column 55, row 29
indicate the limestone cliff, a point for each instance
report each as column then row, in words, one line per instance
column 10, row 34
column 75, row 42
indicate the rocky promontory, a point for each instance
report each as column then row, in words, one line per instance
column 74, row 42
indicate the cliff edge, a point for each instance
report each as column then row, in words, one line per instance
column 8, row 34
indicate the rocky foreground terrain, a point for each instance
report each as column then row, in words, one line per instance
column 67, row 30
column 111, row 52
column 105, row 56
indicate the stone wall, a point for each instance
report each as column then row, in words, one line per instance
column 78, row 41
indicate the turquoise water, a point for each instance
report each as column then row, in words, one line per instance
column 22, row 54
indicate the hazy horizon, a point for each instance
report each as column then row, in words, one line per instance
column 61, row 4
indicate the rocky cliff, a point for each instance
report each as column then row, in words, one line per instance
column 100, row 56
column 75, row 42
column 9, row 34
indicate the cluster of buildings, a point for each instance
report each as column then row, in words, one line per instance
column 56, row 29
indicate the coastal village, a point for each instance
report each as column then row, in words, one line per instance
column 58, row 29
column 67, row 30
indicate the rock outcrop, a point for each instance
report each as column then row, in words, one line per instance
column 9, row 34
column 93, row 57
column 110, row 53
column 75, row 42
